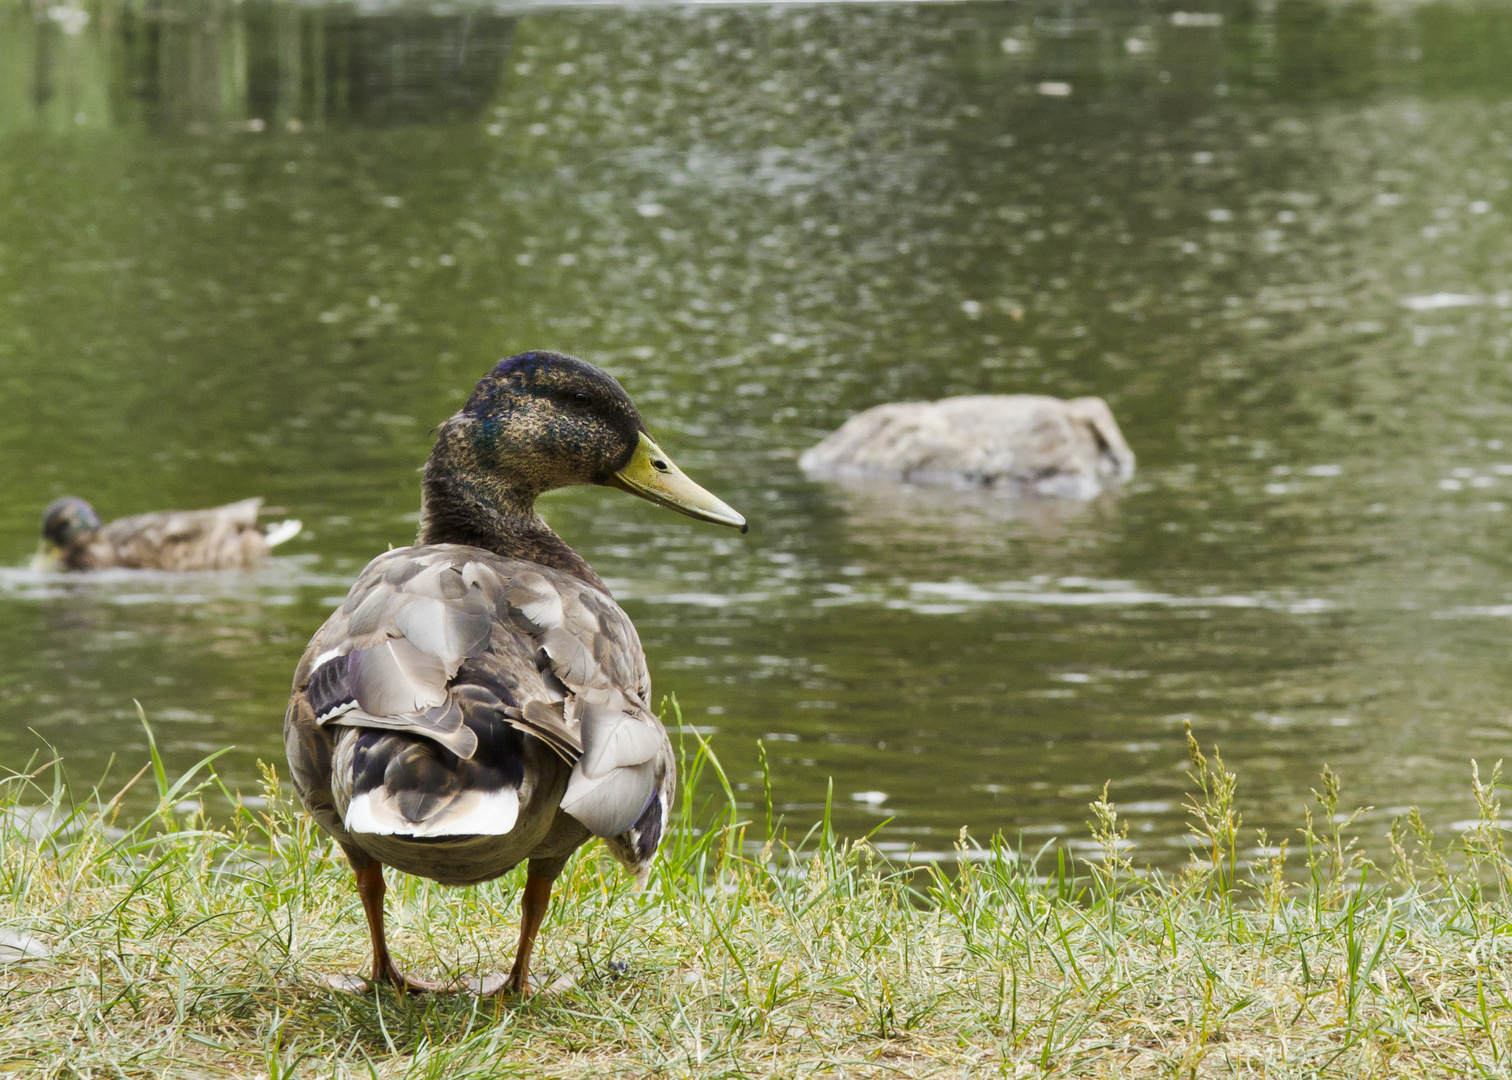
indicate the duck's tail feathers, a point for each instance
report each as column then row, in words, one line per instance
column 407, row 785
column 280, row 531
column 474, row 813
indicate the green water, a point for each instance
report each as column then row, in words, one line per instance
column 262, row 248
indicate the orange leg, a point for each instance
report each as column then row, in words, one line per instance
column 533, row 907
column 370, row 887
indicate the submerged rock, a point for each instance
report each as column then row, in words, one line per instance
column 1023, row 442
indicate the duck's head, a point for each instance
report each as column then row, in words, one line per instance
column 67, row 523
column 542, row 420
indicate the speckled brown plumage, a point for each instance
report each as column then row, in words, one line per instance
column 500, row 646
column 479, row 699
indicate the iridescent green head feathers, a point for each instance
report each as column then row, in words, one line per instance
column 536, row 422
column 549, row 421
column 68, row 522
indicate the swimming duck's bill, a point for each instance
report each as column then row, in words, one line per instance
column 48, row 558
column 651, row 474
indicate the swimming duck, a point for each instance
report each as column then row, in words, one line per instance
column 1013, row 442
column 222, row 538
column 479, row 700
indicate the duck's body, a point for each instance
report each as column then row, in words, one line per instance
column 480, row 700
column 465, row 789
column 1017, row 442
column 221, row 538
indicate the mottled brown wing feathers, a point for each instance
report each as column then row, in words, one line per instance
column 243, row 513
column 396, row 676
column 616, row 777
column 421, row 625
column 531, row 602
column 442, row 724
column 547, row 724
column 220, row 538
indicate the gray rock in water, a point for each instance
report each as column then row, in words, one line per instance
column 1020, row 442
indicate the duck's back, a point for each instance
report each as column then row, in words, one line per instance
column 443, row 715
column 221, row 538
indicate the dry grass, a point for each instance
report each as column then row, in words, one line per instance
column 184, row 950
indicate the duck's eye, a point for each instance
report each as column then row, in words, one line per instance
column 580, row 398
column 659, row 465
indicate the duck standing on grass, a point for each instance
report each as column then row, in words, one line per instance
column 480, row 700
column 222, row 538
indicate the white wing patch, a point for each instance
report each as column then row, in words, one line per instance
column 339, row 710
column 323, row 659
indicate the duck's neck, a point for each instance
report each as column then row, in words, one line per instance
column 462, row 504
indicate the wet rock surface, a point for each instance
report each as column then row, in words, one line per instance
column 1017, row 442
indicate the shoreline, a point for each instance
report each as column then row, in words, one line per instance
column 177, row 949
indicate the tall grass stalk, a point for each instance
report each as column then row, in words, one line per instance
column 169, row 946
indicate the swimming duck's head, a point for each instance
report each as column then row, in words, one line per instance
column 67, row 523
column 546, row 420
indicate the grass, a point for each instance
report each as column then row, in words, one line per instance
column 179, row 949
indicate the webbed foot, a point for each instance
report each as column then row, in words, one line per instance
column 408, row 984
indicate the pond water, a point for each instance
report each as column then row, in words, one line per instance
column 263, row 248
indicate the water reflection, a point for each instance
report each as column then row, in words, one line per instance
column 920, row 530
column 181, row 64
column 191, row 65
column 285, row 239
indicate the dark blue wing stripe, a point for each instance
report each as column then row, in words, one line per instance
column 329, row 687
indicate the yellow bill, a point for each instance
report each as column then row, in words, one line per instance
column 651, row 475
column 48, row 559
